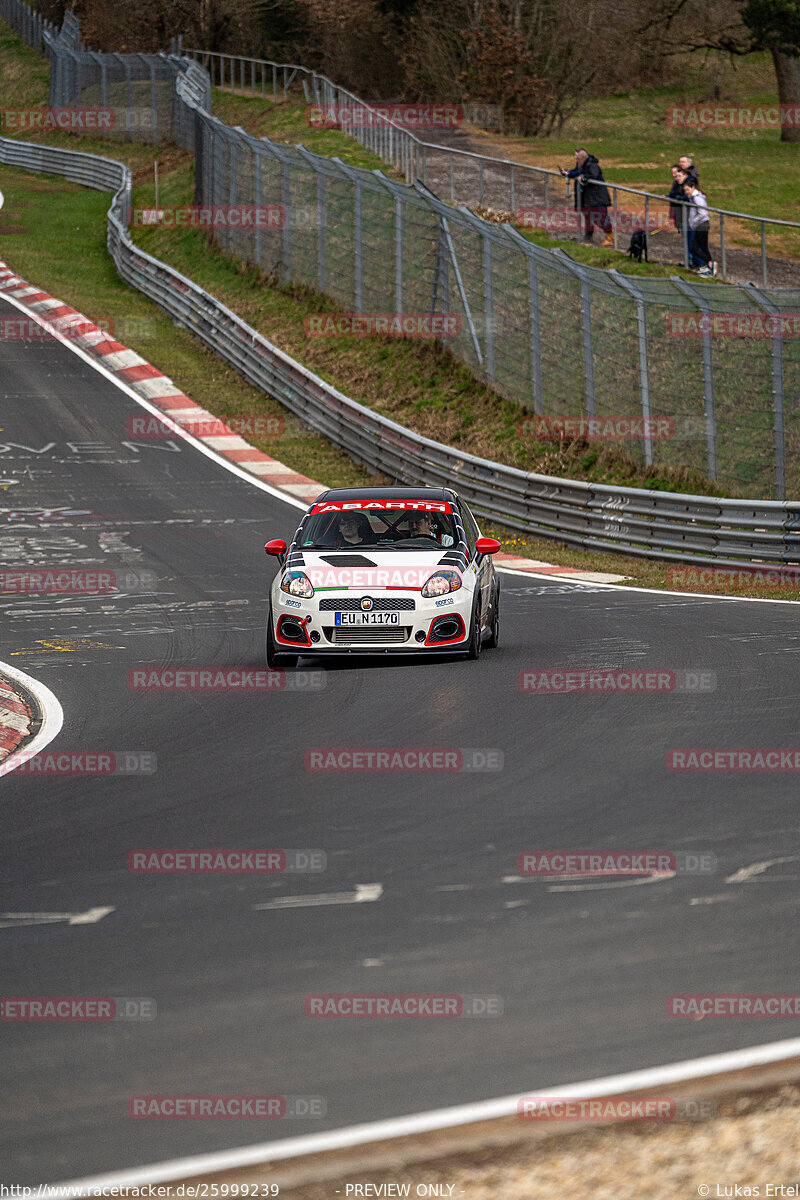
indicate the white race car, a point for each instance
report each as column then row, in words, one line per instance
column 384, row 570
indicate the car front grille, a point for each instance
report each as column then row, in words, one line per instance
column 379, row 604
column 367, row 635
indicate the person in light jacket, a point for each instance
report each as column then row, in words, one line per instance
column 699, row 223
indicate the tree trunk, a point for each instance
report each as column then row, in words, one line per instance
column 788, row 72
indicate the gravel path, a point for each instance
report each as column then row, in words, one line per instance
column 754, row 1141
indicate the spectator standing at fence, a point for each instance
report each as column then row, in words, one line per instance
column 698, row 219
column 591, row 195
column 683, row 178
column 676, row 192
column 686, row 163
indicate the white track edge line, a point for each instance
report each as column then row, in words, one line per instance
column 443, row 1118
column 151, row 408
column 619, row 587
column 52, row 718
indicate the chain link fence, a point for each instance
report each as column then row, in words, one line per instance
column 536, row 196
column 710, row 372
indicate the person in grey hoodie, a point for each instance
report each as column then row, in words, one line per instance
column 699, row 224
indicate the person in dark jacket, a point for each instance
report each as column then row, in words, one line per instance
column 591, row 195
column 676, row 192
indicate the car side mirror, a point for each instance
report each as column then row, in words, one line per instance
column 487, row 545
column 277, row 548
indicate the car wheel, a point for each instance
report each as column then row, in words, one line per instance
column 494, row 628
column 474, row 650
column 274, row 658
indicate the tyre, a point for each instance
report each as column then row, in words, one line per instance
column 494, row 628
column 274, row 658
column 474, row 649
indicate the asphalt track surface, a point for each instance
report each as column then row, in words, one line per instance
column 584, row 974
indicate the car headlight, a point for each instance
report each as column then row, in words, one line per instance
column 441, row 583
column 295, row 583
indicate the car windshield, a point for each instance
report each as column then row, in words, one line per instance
column 408, row 529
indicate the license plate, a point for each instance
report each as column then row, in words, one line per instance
column 366, row 618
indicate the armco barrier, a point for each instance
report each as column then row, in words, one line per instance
column 660, row 525
column 556, row 337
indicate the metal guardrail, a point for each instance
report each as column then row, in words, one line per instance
column 661, row 525
column 558, row 338
column 410, row 154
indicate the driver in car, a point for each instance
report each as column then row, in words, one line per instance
column 353, row 529
column 421, row 525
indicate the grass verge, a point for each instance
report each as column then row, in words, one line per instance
column 417, row 384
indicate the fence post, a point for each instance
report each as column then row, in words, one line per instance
column 531, row 253
column 778, row 394
column 488, row 304
column 322, row 264
column 644, row 363
column 398, row 254
column 586, row 323
column 286, row 200
column 702, row 304
column 153, row 97
column 257, row 241
column 358, row 256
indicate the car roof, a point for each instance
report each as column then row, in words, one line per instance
column 387, row 493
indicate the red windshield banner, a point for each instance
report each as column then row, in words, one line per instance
column 439, row 506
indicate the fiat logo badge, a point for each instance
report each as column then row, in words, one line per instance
column 367, row 603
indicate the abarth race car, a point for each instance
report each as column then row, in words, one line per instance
column 384, row 571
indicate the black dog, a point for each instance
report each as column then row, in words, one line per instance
column 638, row 246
